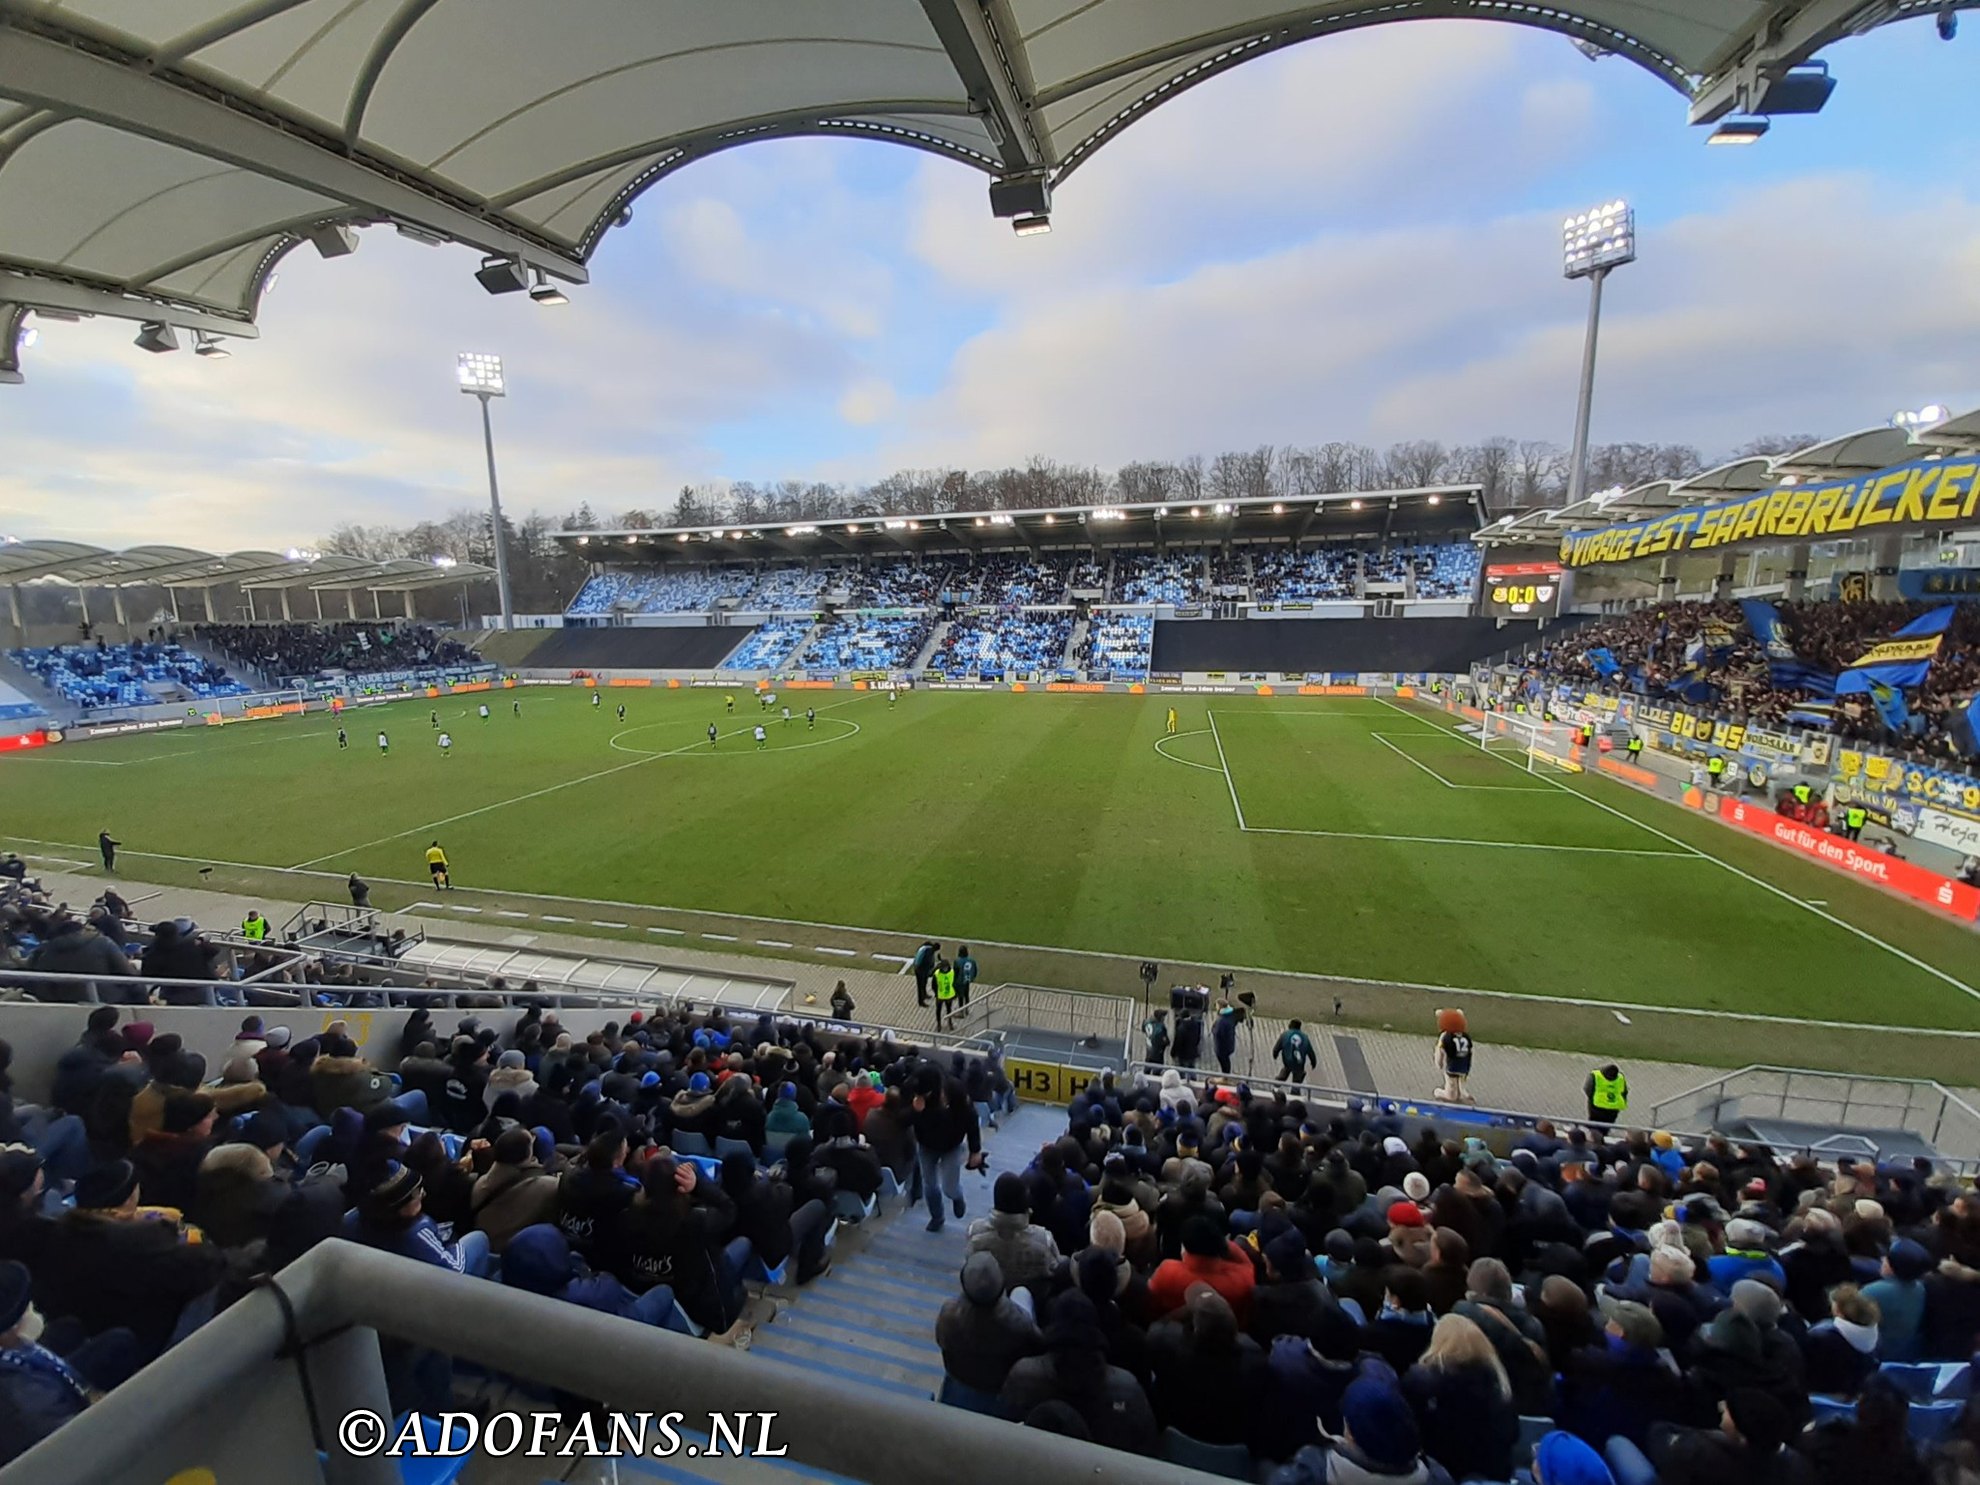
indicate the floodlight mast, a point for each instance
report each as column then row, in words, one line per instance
column 1594, row 242
column 481, row 377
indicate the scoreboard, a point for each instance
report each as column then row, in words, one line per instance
column 1523, row 590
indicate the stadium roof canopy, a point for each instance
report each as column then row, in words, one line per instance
column 1862, row 452
column 1451, row 510
column 158, row 157
column 183, row 567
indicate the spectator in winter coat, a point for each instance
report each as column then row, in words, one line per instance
column 981, row 1332
column 1748, row 1448
column 540, row 1261
column 1517, row 1339
column 1626, row 1383
column 1815, row 1264
column 1074, row 1371
column 1900, row 1299
column 180, row 1071
column 1208, row 1257
column 593, row 1195
column 947, row 1140
column 514, row 1192
column 1447, row 1274
column 1746, row 1257
column 390, row 1217
column 167, row 1160
column 1744, row 1350
column 1400, row 1330
column 237, row 1197
column 1463, row 1402
column 674, row 1234
column 1379, row 1440
column 1952, row 1311
column 692, row 1110
column 71, row 948
column 1209, row 1381
column 1841, row 1352
column 346, row 1082
column 1025, row 1252
column 786, row 1118
column 113, row 1263
column 1410, row 1236
column 39, row 1390
column 1289, row 1298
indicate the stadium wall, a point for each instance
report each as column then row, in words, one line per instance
column 642, row 648
column 1294, row 645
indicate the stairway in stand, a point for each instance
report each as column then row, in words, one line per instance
column 870, row 1322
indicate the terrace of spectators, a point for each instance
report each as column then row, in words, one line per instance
column 991, row 646
column 103, row 675
column 856, row 642
column 295, row 651
column 770, row 646
column 1117, row 646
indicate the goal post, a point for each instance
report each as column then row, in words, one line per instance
column 1531, row 743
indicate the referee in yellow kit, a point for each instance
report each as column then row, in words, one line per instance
column 436, row 862
column 1172, row 721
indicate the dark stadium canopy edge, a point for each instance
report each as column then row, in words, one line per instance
column 159, row 157
column 184, row 567
column 1450, row 512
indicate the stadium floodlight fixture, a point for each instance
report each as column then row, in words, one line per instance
column 156, row 337
column 1049, row 519
column 1278, row 509
column 1196, row 510
column 209, row 346
column 1354, row 504
column 1002, row 520
column 1436, row 500
column 1929, row 416
column 27, row 337
column 545, row 292
column 1739, row 131
column 1598, row 239
column 1032, row 226
column 682, row 537
column 1161, row 511
column 332, row 240
column 1595, row 242
column 895, row 525
column 445, row 562
column 480, row 374
column 480, row 377
column 914, row 525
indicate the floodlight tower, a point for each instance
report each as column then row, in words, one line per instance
column 481, row 376
column 1593, row 243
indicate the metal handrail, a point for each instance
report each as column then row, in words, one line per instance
column 1046, row 1008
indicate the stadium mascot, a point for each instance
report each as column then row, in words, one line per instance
column 1453, row 1057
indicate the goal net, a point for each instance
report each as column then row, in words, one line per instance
column 1533, row 744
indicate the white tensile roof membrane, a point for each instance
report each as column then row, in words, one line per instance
column 175, row 149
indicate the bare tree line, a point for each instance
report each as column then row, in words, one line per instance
column 1515, row 474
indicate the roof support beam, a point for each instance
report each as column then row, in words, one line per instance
column 1775, row 44
column 990, row 63
column 72, row 298
column 122, row 95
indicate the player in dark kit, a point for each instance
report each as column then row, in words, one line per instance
column 711, row 734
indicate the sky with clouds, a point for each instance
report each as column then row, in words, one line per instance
column 1357, row 238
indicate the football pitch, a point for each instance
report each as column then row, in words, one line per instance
column 1346, row 837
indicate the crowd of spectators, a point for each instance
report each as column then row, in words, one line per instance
column 1283, row 575
column 1117, row 646
column 1142, row 577
column 914, row 583
column 295, row 650
column 1440, row 570
column 866, row 642
column 1346, row 1303
column 1008, row 580
column 1666, row 649
column 656, row 590
column 139, row 674
column 769, row 646
column 990, row 646
column 641, row 1170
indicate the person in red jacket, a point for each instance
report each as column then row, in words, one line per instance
column 865, row 1093
column 1208, row 1257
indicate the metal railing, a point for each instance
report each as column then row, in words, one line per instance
column 1107, row 1021
column 253, row 1393
column 1861, row 1105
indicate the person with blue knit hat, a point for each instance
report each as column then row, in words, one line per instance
column 692, row 1110
column 1379, row 1440
column 1562, row 1459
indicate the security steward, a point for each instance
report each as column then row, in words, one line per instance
column 1854, row 819
column 1607, row 1092
column 1635, row 748
column 1715, row 766
column 254, row 927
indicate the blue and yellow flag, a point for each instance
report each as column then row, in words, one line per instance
column 1902, row 660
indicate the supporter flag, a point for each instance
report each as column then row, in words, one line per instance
column 1902, row 660
column 1785, row 667
column 1820, row 714
column 1603, row 661
column 1966, row 727
column 1889, row 702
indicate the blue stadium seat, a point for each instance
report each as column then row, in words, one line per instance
column 690, row 1142
column 725, row 1147
column 1933, row 1421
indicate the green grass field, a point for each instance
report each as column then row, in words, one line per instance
column 1375, row 842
